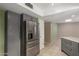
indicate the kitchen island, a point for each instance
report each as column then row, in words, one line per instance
column 70, row 45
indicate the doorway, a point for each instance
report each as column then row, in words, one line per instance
column 47, row 33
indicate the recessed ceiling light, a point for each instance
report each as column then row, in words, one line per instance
column 68, row 20
column 52, row 4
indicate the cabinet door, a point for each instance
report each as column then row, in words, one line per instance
column 75, row 49
column 66, row 46
column 12, row 33
column 62, row 44
column 2, row 32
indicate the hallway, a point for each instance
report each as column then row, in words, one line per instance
column 52, row 50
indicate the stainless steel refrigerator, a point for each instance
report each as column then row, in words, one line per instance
column 30, row 35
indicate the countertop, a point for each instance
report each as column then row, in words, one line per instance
column 75, row 39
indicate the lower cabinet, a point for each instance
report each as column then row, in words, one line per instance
column 71, row 48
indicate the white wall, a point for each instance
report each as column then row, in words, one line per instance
column 41, row 29
column 68, row 29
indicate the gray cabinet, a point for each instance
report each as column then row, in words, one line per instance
column 71, row 48
column 12, row 34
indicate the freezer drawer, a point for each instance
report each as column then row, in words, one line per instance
column 33, row 50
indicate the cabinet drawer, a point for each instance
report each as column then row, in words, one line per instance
column 31, row 44
column 67, row 49
column 67, row 42
column 67, row 46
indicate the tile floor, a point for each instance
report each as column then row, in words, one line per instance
column 52, row 50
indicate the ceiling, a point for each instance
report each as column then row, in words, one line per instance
column 61, row 17
column 59, row 12
column 19, row 8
